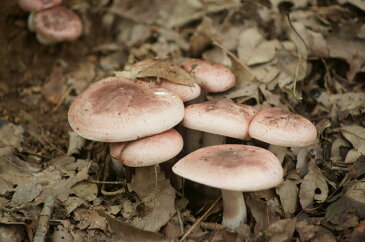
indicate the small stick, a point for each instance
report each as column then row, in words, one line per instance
column 197, row 222
column 44, row 216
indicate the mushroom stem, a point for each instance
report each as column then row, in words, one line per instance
column 278, row 151
column 213, row 139
column 192, row 140
column 234, row 209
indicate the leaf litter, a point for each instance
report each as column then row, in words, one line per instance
column 316, row 56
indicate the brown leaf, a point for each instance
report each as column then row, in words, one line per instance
column 314, row 187
column 288, row 193
column 129, row 233
column 279, row 231
column 55, row 88
column 90, row 219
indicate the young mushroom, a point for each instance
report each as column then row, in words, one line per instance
column 219, row 118
column 282, row 129
column 55, row 25
column 234, row 169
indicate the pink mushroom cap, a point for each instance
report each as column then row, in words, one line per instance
column 56, row 24
column 149, row 150
column 282, row 128
column 214, row 77
column 117, row 110
column 37, row 5
column 220, row 116
column 231, row 167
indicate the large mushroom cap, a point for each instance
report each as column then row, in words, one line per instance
column 283, row 128
column 214, row 77
column 219, row 116
column 147, row 151
column 232, row 167
column 56, row 24
column 118, row 110
column 37, row 5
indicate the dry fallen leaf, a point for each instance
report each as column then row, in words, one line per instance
column 90, row 219
column 288, row 193
column 356, row 136
column 158, row 196
column 127, row 232
column 279, row 231
column 314, row 187
column 11, row 134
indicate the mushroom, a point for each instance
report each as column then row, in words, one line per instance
column 37, row 5
column 186, row 93
column 282, row 129
column 234, row 169
column 214, row 77
column 55, row 25
column 146, row 152
column 117, row 110
column 219, row 118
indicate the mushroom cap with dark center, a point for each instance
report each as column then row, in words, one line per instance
column 37, row 5
column 57, row 24
column 214, row 77
column 231, row 167
column 283, row 128
column 118, row 110
column 149, row 150
column 219, row 116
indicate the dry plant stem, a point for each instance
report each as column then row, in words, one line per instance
column 234, row 209
column 46, row 213
column 199, row 220
column 213, row 139
column 279, row 151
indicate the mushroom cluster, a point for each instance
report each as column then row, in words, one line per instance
column 51, row 22
column 137, row 117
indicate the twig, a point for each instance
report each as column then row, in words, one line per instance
column 197, row 222
column 105, row 176
column 44, row 216
column 62, row 99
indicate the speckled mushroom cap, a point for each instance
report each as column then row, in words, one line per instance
column 214, row 77
column 219, row 116
column 56, row 24
column 283, row 128
column 149, row 150
column 37, row 5
column 117, row 110
column 231, row 167
column 186, row 93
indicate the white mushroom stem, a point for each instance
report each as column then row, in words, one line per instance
column 213, row 139
column 234, row 209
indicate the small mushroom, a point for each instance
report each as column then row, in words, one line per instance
column 234, row 169
column 214, row 77
column 37, row 5
column 147, row 152
column 55, row 25
column 219, row 118
column 282, row 129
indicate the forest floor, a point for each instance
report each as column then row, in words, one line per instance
column 310, row 61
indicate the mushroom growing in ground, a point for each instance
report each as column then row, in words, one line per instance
column 119, row 110
column 146, row 152
column 234, row 169
column 219, row 118
column 37, row 5
column 55, row 25
column 282, row 129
